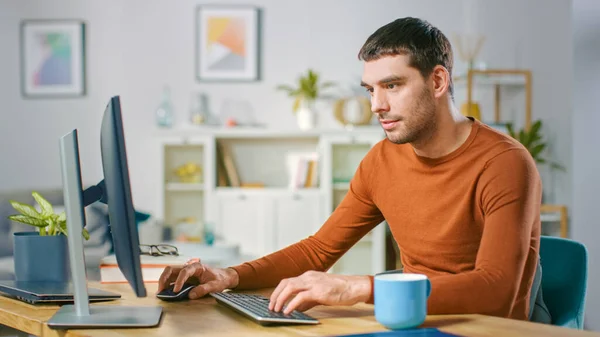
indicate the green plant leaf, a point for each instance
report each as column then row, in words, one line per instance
column 46, row 207
column 28, row 220
column 326, row 85
column 533, row 135
column 86, row 234
column 522, row 137
column 51, row 228
column 537, row 150
column 61, row 217
column 557, row 166
column 285, row 87
column 535, row 127
column 62, row 227
column 510, row 130
column 313, row 77
column 26, row 209
column 534, row 138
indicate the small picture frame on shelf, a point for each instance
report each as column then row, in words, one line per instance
column 227, row 43
column 52, row 58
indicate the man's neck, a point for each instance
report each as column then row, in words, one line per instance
column 451, row 131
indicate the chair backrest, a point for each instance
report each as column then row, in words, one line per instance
column 564, row 280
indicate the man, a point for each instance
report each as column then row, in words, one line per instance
column 461, row 199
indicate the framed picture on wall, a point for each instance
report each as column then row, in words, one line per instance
column 52, row 58
column 227, row 43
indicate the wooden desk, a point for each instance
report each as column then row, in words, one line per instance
column 206, row 317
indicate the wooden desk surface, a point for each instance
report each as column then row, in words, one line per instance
column 206, row 317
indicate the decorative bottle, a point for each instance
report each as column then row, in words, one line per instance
column 164, row 111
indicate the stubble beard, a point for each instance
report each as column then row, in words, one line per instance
column 418, row 127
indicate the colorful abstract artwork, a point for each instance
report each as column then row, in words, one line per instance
column 52, row 58
column 227, row 43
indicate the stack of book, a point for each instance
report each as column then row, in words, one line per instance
column 303, row 169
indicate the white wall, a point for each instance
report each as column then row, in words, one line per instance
column 30, row 128
column 586, row 158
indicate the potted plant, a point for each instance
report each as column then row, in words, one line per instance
column 307, row 91
column 533, row 141
column 41, row 255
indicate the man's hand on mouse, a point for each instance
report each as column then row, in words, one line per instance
column 209, row 279
column 313, row 288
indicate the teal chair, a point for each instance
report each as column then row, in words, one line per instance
column 564, row 280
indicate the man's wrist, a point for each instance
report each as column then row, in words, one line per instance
column 361, row 287
column 233, row 277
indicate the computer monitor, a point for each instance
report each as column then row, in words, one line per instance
column 118, row 192
column 115, row 191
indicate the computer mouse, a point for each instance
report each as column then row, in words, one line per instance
column 168, row 294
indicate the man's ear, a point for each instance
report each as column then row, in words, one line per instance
column 441, row 81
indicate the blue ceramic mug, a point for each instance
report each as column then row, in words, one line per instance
column 401, row 299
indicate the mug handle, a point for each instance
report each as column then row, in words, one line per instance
column 428, row 288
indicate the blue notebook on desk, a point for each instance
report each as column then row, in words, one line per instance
column 423, row 332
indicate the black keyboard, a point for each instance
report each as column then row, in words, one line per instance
column 256, row 307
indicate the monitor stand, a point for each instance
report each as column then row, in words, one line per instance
column 81, row 315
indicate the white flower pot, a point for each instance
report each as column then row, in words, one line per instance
column 306, row 117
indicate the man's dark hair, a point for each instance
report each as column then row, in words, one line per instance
column 425, row 45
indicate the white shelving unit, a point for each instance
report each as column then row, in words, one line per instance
column 264, row 219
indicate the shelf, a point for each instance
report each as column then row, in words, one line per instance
column 504, row 79
column 184, row 187
column 550, row 217
column 265, row 190
column 341, row 186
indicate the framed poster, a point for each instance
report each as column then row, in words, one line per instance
column 227, row 43
column 52, row 58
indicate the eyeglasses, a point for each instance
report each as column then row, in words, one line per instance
column 158, row 250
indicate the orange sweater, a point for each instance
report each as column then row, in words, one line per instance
column 469, row 220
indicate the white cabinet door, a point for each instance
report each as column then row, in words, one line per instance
column 296, row 217
column 242, row 221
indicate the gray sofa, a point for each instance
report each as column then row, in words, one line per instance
column 98, row 246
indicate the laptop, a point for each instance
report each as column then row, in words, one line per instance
column 50, row 292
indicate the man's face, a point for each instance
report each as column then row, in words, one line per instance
column 401, row 98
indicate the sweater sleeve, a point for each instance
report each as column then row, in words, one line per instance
column 354, row 217
column 509, row 191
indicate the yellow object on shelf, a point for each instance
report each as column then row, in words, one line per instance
column 252, row 185
column 473, row 111
column 189, row 173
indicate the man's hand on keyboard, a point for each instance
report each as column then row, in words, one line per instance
column 208, row 279
column 313, row 288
